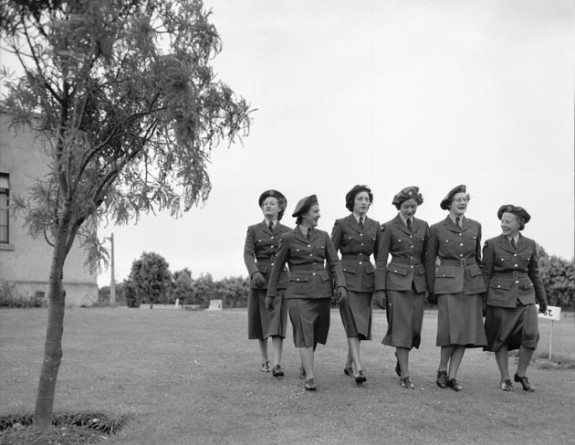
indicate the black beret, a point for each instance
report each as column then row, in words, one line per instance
column 350, row 196
column 304, row 205
column 273, row 194
column 516, row 210
column 445, row 201
column 411, row 192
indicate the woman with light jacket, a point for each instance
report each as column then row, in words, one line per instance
column 356, row 236
column 455, row 282
column 401, row 284
column 512, row 274
column 313, row 263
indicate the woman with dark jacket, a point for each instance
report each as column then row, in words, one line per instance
column 512, row 275
column 313, row 263
column 455, row 282
column 356, row 236
column 401, row 284
column 260, row 249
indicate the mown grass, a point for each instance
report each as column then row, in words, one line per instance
column 186, row 377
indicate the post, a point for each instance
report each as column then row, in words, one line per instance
column 551, row 341
column 112, row 278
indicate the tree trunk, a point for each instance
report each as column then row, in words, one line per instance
column 53, row 346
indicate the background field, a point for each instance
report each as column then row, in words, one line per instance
column 193, row 377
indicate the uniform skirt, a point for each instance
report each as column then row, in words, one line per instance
column 356, row 314
column 310, row 321
column 262, row 323
column 513, row 327
column 404, row 318
column 460, row 320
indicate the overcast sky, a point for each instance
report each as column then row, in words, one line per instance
column 389, row 94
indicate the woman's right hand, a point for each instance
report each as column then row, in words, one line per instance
column 380, row 298
column 258, row 280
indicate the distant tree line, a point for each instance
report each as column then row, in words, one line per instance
column 151, row 282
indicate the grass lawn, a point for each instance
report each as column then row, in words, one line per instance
column 188, row 377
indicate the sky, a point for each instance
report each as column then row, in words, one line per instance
column 386, row 93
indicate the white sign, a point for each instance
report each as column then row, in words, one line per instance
column 552, row 313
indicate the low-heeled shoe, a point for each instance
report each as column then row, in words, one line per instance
column 405, row 382
column 527, row 386
column 506, row 385
column 454, row 384
column 310, row 385
column 348, row 371
column 266, row 367
column 360, row 377
column 441, row 379
column 277, row 371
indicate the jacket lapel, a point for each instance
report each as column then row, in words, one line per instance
column 400, row 225
column 450, row 225
column 505, row 244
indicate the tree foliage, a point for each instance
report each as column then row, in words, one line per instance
column 558, row 277
column 151, row 279
column 123, row 97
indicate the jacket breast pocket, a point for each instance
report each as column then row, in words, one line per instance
column 446, row 272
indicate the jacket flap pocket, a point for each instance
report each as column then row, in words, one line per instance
column 446, row 272
column 499, row 284
column 299, row 276
column 263, row 269
column 324, row 275
column 369, row 270
column 474, row 270
column 420, row 270
column 397, row 269
column 526, row 284
column 349, row 269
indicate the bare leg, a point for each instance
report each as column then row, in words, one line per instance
column 264, row 350
column 403, row 359
column 502, row 359
column 277, row 347
column 353, row 351
column 455, row 361
column 446, row 352
column 525, row 355
column 306, row 356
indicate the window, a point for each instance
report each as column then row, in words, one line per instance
column 4, row 200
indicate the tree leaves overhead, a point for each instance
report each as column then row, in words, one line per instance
column 124, row 95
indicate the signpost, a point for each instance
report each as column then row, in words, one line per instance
column 552, row 313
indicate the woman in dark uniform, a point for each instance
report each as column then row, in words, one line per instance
column 313, row 263
column 512, row 273
column 355, row 236
column 455, row 282
column 401, row 283
column 262, row 241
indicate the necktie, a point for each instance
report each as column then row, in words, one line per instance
column 458, row 221
column 513, row 243
column 271, row 226
column 308, row 234
column 409, row 224
column 361, row 222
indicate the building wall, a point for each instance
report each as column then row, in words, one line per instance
column 25, row 261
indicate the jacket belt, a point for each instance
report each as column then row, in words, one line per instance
column 412, row 262
column 307, row 267
column 459, row 263
column 514, row 275
column 355, row 256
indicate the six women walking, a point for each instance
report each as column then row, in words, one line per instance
column 443, row 261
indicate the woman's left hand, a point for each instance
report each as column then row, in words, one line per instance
column 340, row 294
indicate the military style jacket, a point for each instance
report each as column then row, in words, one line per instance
column 312, row 263
column 512, row 274
column 453, row 258
column 407, row 250
column 260, row 250
column 356, row 246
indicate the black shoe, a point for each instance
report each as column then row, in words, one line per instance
column 454, row 384
column 277, row 371
column 527, row 386
column 441, row 379
column 397, row 367
column 360, row 377
column 506, row 385
column 406, row 383
column 266, row 367
column 348, row 371
column 310, row 385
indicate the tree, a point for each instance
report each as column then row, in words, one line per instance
column 151, row 279
column 558, row 277
column 122, row 94
column 183, row 289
